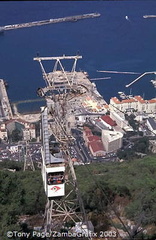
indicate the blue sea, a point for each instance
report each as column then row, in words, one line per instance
column 110, row 42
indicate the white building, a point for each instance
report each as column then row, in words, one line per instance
column 112, row 140
column 29, row 132
column 119, row 118
column 124, row 105
column 3, row 132
column 136, row 103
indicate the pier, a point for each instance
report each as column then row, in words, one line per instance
column 5, row 108
column 50, row 21
column 149, row 16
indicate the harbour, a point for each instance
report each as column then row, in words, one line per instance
column 82, row 122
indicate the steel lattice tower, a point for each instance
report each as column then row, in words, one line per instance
column 61, row 87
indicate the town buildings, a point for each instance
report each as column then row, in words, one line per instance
column 27, row 130
column 94, row 143
column 136, row 103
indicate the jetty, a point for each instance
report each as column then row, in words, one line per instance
column 50, row 21
column 149, row 16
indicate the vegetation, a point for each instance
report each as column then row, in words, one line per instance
column 141, row 145
column 132, row 122
column 130, row 185
column 127, row 188
column 21, row 193
column 33, row 140
column 16, row 135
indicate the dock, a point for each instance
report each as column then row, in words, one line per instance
column 149, row 16
column 50, row 21
column 5, row 107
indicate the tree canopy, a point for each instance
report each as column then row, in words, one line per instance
column 127, row 188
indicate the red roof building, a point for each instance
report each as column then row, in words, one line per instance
column 97, row 148
column 108, row 120
column 94, row 138
column 86, row 133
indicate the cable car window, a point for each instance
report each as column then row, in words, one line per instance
column 55, row 178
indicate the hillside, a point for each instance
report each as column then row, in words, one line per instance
column 126, row 190
column 112, row 193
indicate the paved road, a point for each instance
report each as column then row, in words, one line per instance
column 83, row 152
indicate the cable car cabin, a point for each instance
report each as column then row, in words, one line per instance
column 53, row 178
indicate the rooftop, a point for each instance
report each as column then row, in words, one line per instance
column 96, row 146
column 139, row 99
column 94, row 138
column 134, row 99
column 116, row 100
column 108, row 120
column 128, row 100
column 112, row 135
column 152, row 100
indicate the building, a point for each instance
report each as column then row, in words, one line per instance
column 151, row 123
column 97, row 148
column 26, row 129
column 100, row 124
column 108, row 121
column 119, row 118
column 92, row 138
column 29, row 132
column 14, row 124
column 86, row 133
column 112, row 140
column 94, row 143
column 136, row 103
column 3, row 132
column 124, row 105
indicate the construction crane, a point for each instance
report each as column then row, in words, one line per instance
column 57, row 167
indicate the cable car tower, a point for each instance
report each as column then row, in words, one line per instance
column 64, row 203
column 28, row 162
column 24, row 155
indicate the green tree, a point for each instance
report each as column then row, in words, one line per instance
column 142, row 145
column 16, row 135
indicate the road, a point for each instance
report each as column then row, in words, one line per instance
column 83, row 152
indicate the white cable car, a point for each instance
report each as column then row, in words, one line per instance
column 53, row 166
column 53, row 178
